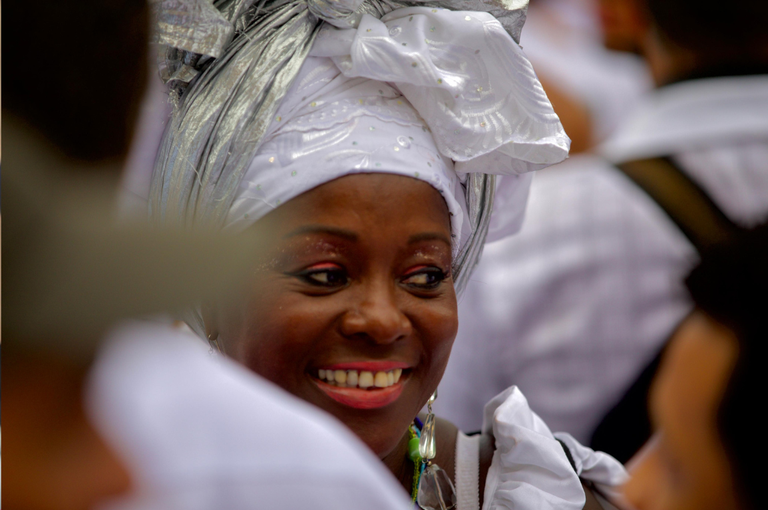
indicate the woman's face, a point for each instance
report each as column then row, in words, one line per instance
column 357, row 288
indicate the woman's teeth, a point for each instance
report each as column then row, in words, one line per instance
column 364, row 379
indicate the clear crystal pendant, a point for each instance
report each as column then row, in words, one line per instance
column 436, row 492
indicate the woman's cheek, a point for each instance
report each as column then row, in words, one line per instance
column 439, row 328
column 284, row 327
column 265, row 325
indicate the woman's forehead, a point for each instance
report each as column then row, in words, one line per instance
column 368, row 204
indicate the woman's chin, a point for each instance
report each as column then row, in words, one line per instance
column 378, row 416
column 381, row 440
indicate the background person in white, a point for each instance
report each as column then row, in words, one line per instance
column 574, row 307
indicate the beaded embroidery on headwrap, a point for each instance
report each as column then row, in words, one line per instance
column 230, row 93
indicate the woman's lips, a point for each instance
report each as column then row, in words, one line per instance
column 359, row 398
column 362, row 384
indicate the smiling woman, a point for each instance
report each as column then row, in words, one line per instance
column 356, row 309
column 375, row 159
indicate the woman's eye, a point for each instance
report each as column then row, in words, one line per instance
column 333, row 276
column 425, row 278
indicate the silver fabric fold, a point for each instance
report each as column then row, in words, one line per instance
column 219, row 123
column 338, row 12
column 195, row 26
column 222, row 115
column 480, row 189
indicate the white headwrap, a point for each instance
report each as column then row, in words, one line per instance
column 443, row 96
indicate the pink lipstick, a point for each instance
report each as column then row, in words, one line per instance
column 359, row 398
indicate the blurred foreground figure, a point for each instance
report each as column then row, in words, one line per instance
column 199, row 432
column 705, row 400
column 578, row 304
column 70, row 271
column 53, row 457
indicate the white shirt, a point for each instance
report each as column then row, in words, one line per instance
column 200, row 432
column 575, row 305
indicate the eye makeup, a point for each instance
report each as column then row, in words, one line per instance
column 297, row 253
column 324, row 274
column 424, row 277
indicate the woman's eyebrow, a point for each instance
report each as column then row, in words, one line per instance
column 323, row 229
column 429, row 236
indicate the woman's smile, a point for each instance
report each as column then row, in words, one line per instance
column 363, row 384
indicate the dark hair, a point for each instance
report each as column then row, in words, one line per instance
column 75, row 71
column 730, row 284
column 705, row 26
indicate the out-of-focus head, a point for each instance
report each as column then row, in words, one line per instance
column 688, row 37
column 715, row 33
column 624, row 24
column 705, row 400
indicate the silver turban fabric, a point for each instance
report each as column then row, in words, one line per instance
column 231, row 64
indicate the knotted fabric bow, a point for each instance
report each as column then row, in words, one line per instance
column 467, row 79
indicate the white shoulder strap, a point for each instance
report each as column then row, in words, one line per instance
column 467, row 472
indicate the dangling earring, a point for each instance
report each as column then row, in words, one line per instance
column 213, row 341
column 436, row 491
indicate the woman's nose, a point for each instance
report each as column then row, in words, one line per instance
column 376, row 317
